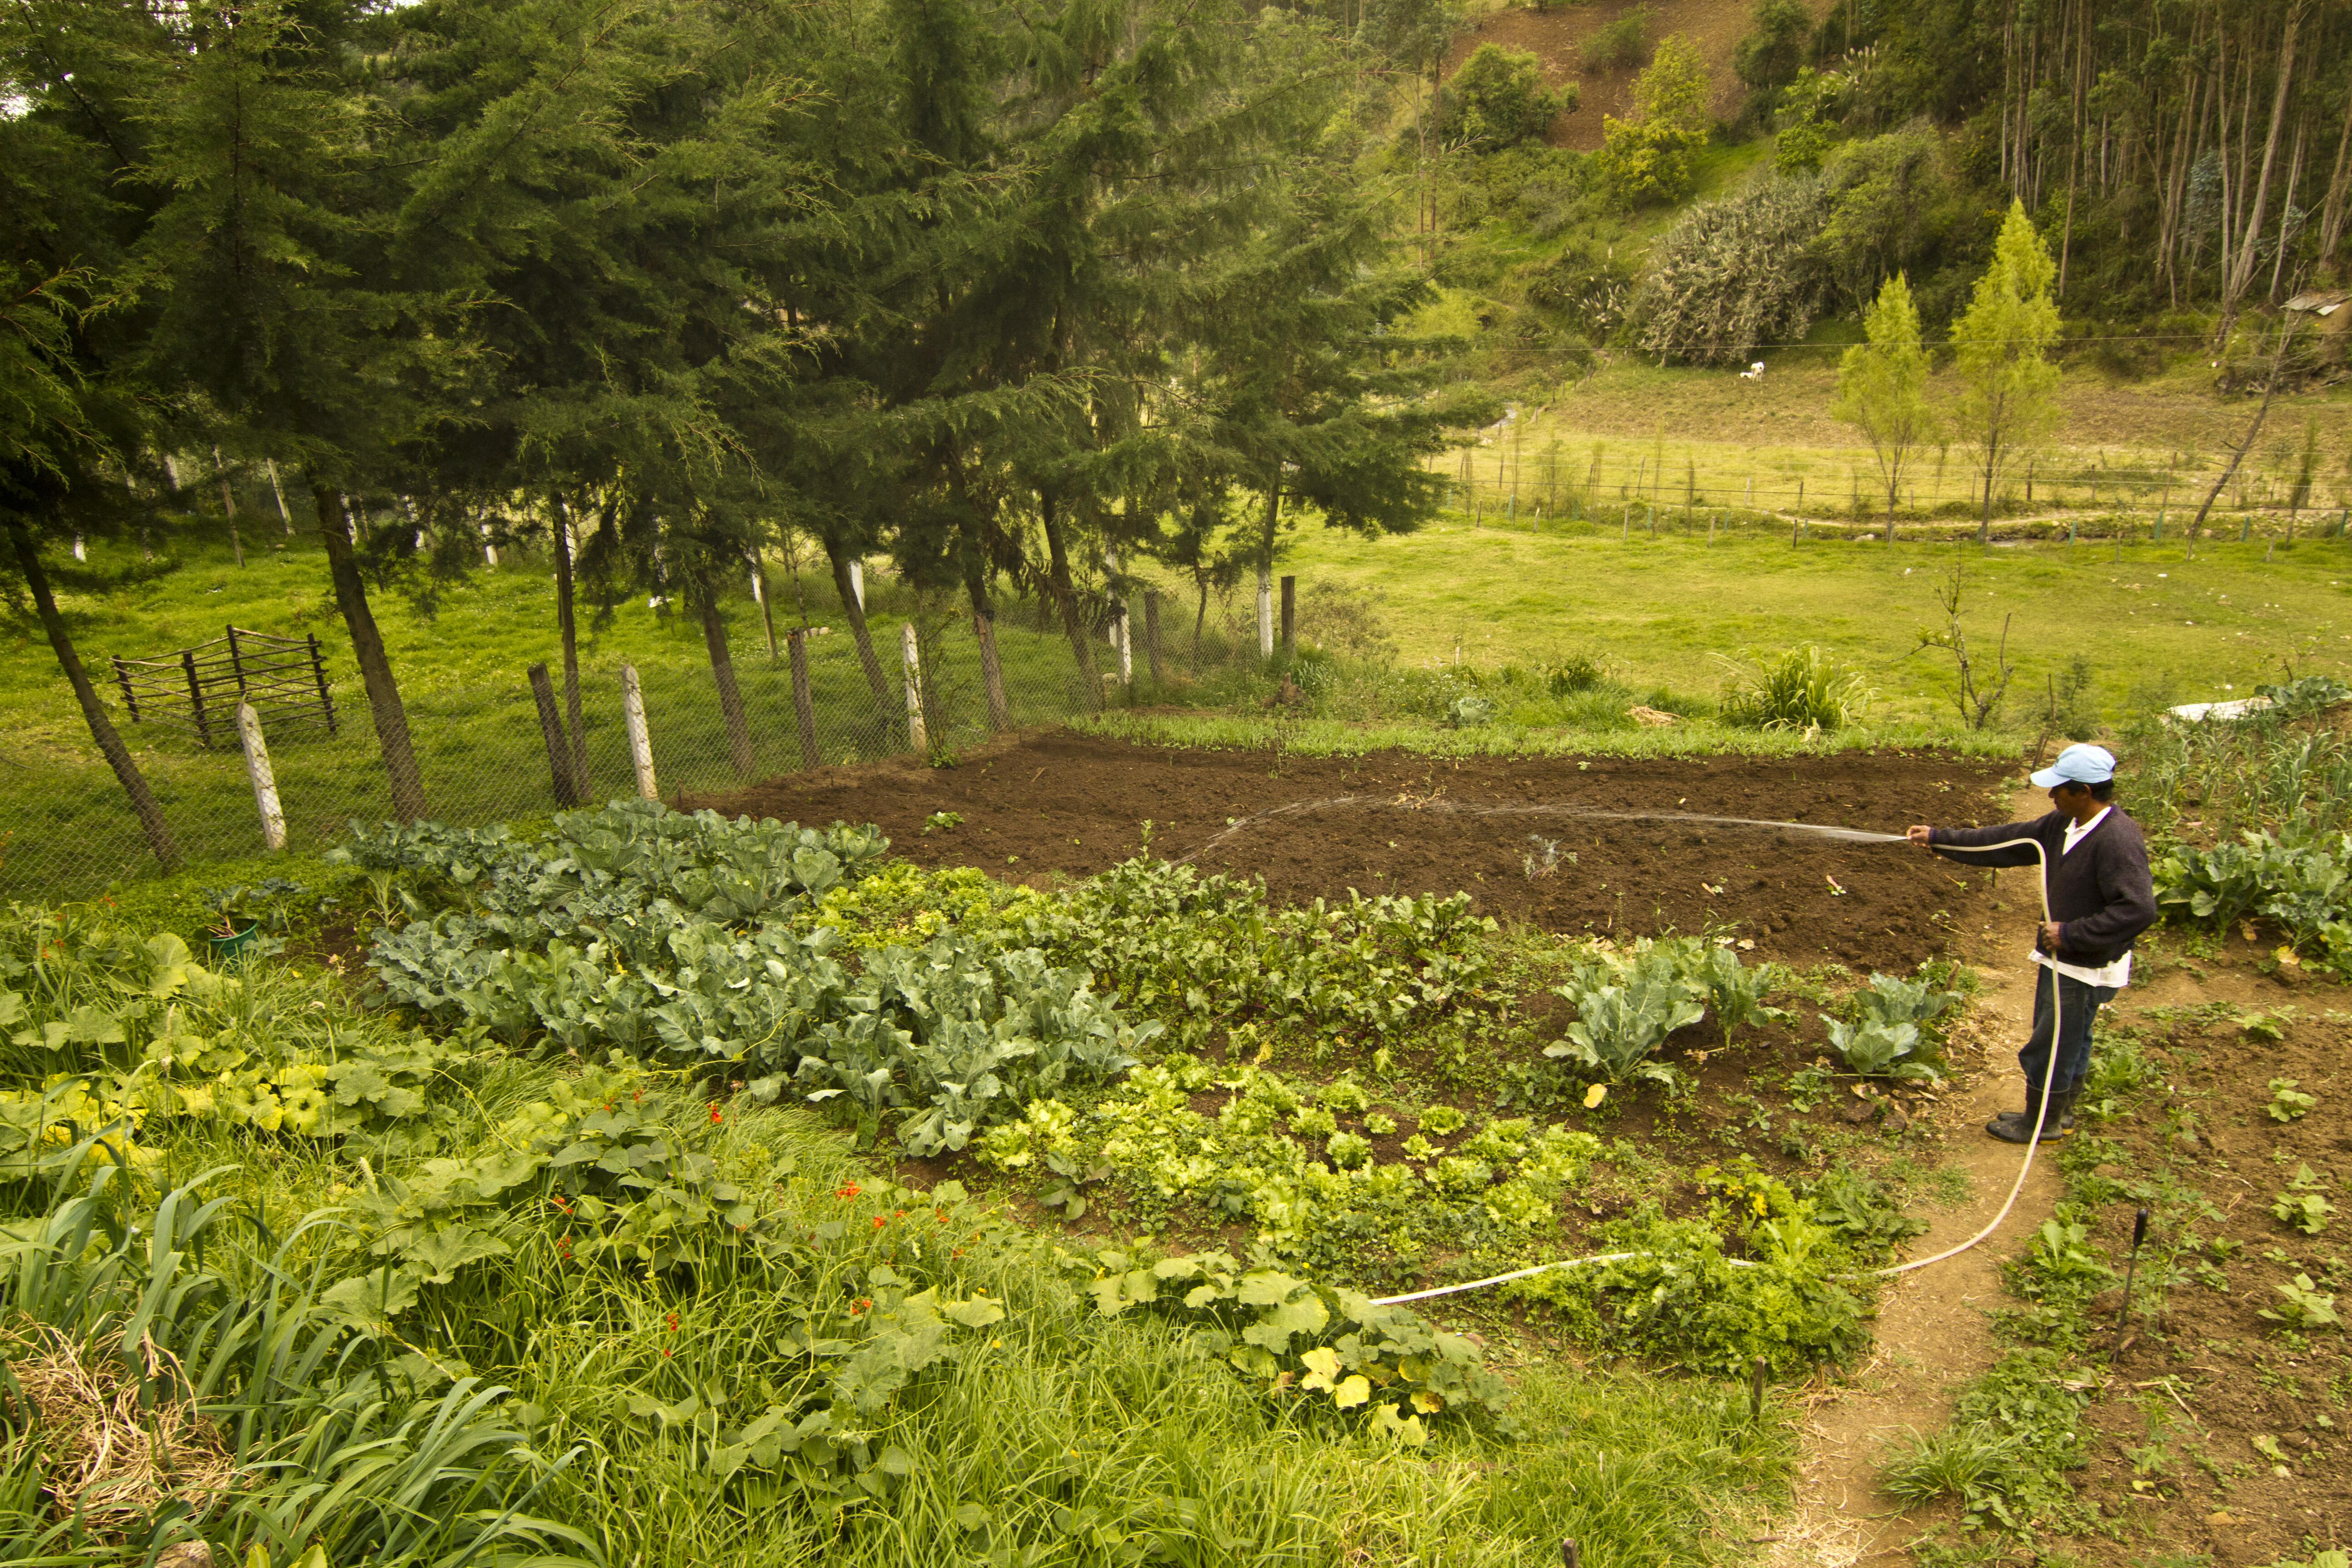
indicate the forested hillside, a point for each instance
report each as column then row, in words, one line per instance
column 1699, row 187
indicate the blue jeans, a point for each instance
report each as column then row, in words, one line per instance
column 2078, row 1004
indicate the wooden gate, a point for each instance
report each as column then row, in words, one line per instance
column 197, row 690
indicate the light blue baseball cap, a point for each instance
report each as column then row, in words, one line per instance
column 2078, row 764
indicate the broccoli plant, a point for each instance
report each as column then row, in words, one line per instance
column 1625, row 1013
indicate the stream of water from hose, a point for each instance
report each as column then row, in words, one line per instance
column 1468, row 808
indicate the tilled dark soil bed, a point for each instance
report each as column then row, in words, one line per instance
column 1065, row 804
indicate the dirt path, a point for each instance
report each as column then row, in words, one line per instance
column 1932, row 1333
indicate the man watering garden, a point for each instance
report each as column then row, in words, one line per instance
column 2096, row 901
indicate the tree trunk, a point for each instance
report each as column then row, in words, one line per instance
column 767, row 611
column 577, row 738
column 838, row 558
column 1984, row 525
column 2238, row 454
column 2241, row 271
column 101, row 729
column 1065, row 599
column 722, row 672
column 367, row 650
column 991, row 665
column 2331, row 217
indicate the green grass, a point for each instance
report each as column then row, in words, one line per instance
column 1658, row 613
column 1347, row 738
column 65, row 828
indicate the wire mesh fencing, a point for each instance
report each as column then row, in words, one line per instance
column 67, row 829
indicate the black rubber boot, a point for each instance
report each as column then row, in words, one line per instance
column 2017, row 1126
column 2063, row 1104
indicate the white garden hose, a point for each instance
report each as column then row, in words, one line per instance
column 2048, row 1076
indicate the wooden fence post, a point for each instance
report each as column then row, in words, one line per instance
column 1151, row 633
column 916, row 735
column 550, row 730
column 318, row 677
column 197, row 698
column 641, row 745
column 803, row 706
column 1289, row 612
column 265, row 785
column 129, row 697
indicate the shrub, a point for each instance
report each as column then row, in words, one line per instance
column 1647, row 160
column 1498, row 99
column 1733, row 273
column 1805, row 689
column 1622, row 44
column 1770, row 57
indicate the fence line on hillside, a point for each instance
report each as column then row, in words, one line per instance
column 1498, row 484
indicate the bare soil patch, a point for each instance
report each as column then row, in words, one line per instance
column 1061, row 804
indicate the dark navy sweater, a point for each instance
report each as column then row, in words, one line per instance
column 2100, row 894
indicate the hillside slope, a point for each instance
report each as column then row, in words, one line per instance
column 1557, row 38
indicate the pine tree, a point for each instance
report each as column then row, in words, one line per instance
column 1881, row 388
column 74, row 417
column 277, row 300
column 2008, row 385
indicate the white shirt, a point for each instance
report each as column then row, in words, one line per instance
column 2116, row 975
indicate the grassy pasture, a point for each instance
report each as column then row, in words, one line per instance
column 1665, row 612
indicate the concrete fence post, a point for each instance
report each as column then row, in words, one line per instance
column 265, row 783
column 915, row 734
column 641, row 744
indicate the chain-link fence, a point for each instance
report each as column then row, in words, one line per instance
column 65, row 829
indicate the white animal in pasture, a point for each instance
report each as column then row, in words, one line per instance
column 1753, row 372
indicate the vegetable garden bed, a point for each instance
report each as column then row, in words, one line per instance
column 1061, row 803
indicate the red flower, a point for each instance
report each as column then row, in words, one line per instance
column 863, row 1303
column 849, row 1190
column 880, row 1221
column 941, row 1216
column 715, row 1118
column 669, row 1320
column 666, row 1356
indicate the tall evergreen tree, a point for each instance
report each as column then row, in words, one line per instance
column 278, row 305
column 74, row 418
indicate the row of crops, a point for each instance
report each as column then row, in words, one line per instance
column 550, row 1247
